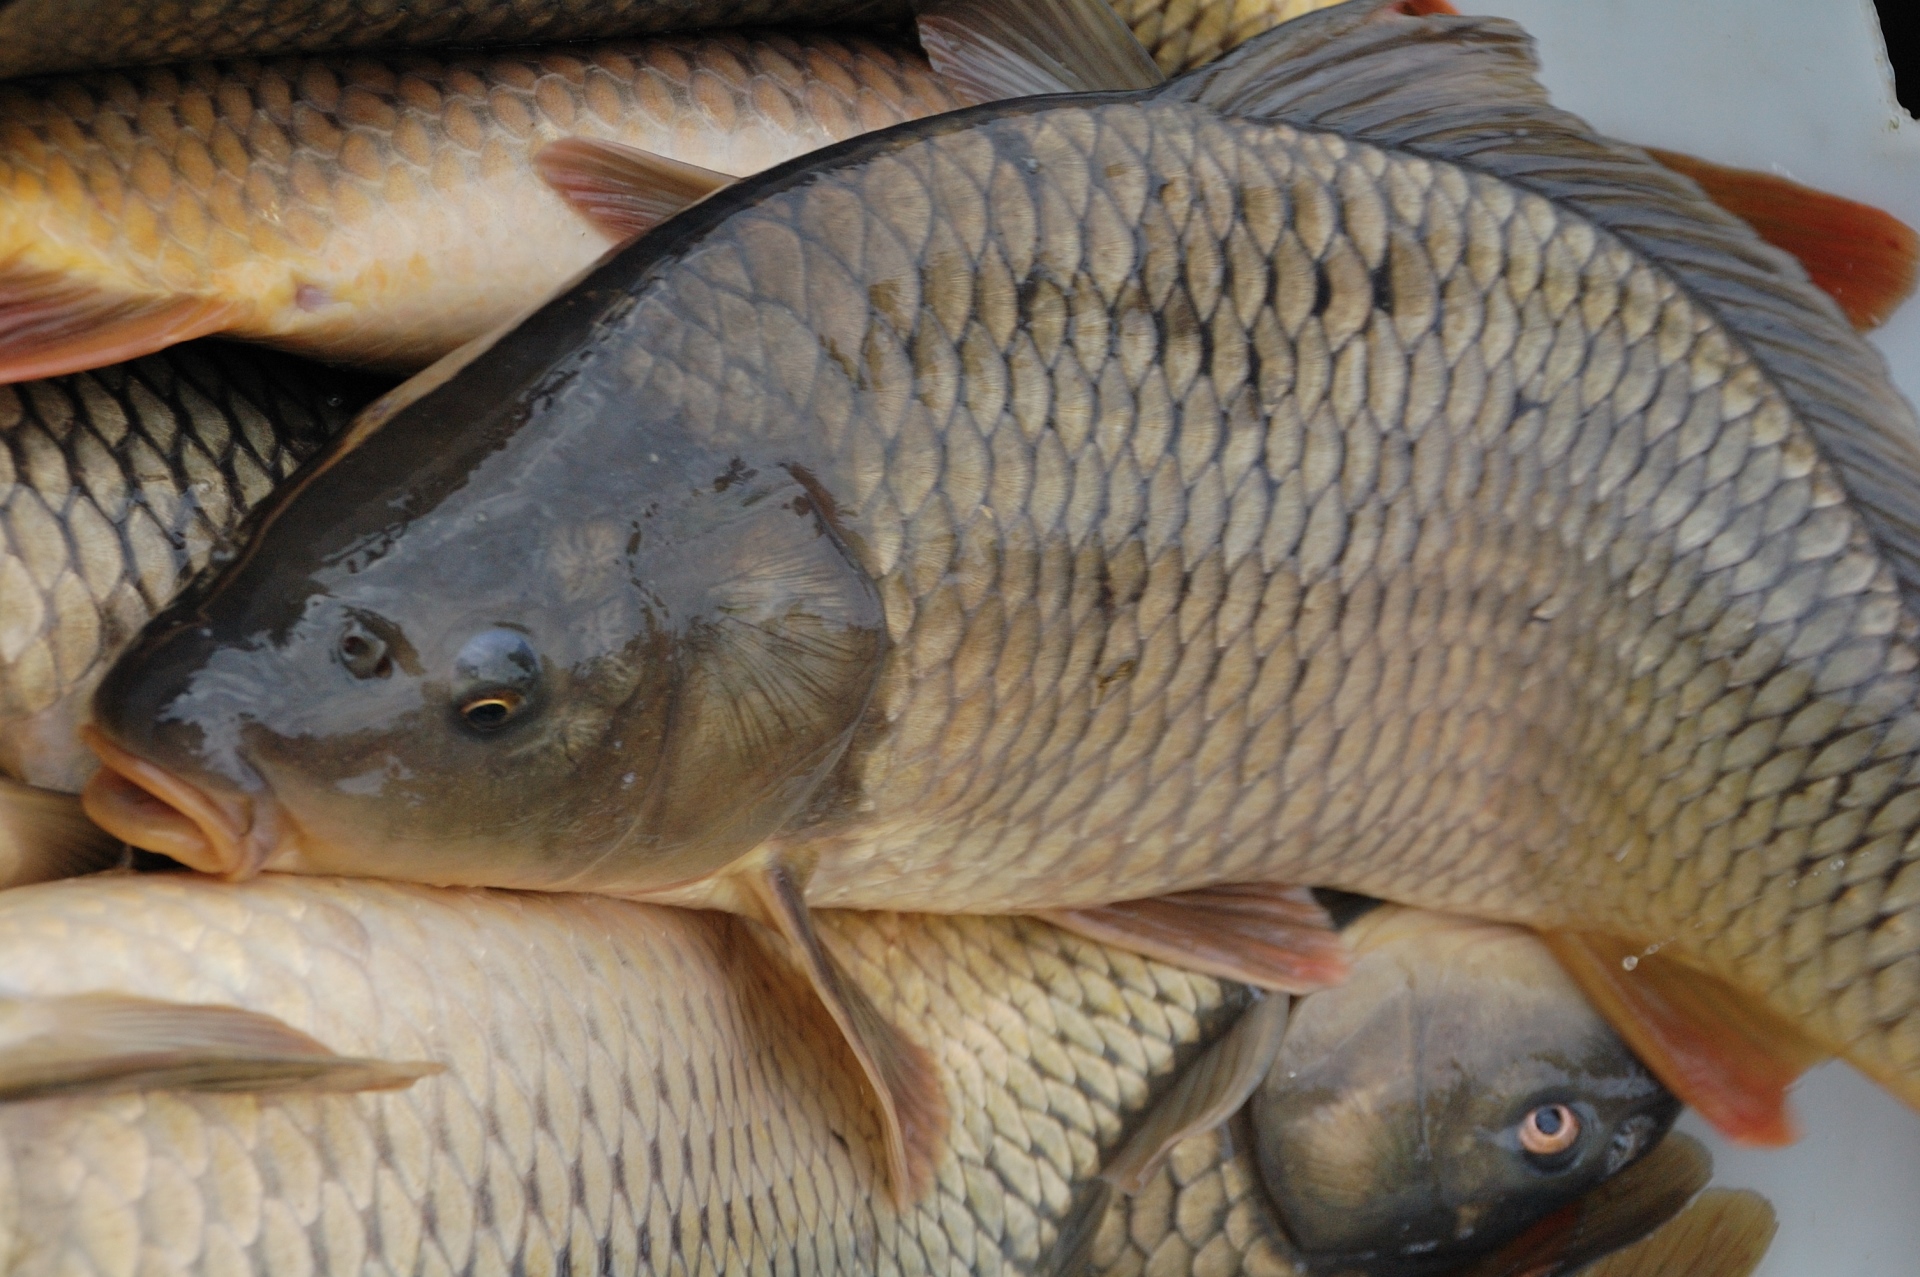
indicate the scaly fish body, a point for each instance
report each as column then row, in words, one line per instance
column 115, row 487
column 627, row 1092
column 381, row 210
column 38, row 36
column 1092, row 498
column 629, row 1089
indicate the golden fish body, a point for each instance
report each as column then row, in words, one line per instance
column 384, row 210
column 39, row 36
column 628, row 1089
column 115, row 486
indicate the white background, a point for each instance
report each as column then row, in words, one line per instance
column 1799, row 87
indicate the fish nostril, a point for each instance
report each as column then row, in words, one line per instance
column 363, row 653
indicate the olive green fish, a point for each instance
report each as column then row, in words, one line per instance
column 1334, row 467
column 639, row 1097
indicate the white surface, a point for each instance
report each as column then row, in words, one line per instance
column 1798, row 87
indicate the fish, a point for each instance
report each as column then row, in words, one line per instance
column 384, row 209
column 1455, row 1092
column 1277, row 478
column 116, row 486
column 621, row 1089
column 42, row 36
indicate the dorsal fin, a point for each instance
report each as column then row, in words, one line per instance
column 1463, row 90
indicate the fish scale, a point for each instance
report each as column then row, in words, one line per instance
column 1419, row 508
column 385, row 208
column 1371, row 480
column 115, row 486
column 636, row 1098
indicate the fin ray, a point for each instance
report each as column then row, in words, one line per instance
column 1271, row 936
column 1464, row 90
column 1724, row 1233
column 45, row 835
column 1862, row 257
column 96, row 1043
column 52, row 324
column 623, row 190
column 997, row 49
column 1713, row 1047
column 913, row 1108
column 1643, row 1197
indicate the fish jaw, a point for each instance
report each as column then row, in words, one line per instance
column 156, row 809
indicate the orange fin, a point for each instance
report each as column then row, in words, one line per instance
column 1860, row 256
column 997, row 49
column 52, row 324
column 913, row 1109
column 623, row 190
column 1427, row 8
column 1710, row 1044
column 1725, row 1233
column 1619, row 1212
column 1270, row 936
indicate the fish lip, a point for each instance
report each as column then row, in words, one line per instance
column 151, row 807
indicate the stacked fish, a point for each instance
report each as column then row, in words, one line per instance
column 1072, row 493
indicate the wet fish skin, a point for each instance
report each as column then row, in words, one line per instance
column 115, row 486
column 1246, row 502
column 638, row 1076
column 383, row 210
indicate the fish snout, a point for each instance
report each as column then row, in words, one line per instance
column 154, row 789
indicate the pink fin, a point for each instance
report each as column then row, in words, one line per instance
column 1271, row 936
column 52, row 324
column 623, row 190
column 913, row 1108
column 1860, row 256
column 1713, row 1046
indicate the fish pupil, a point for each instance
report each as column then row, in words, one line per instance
column 490, row 711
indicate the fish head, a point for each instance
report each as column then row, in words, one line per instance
column 1456, row 1089
column 486, row 657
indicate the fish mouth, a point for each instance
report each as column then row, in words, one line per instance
column 151, row 807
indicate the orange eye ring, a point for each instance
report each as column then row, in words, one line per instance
column 491, row 709
column 1549, row 1130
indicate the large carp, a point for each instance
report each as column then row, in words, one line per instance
column 628, row 1090
column 1336, row 466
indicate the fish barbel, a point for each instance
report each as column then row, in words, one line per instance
column 1335, row 467
column 626, row 1091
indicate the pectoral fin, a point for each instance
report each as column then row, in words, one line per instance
column 52, row 324
column 95, row 1043
column 623, row 190
column 1860, row 256
column 1208, row 1092
column 1618, row 1213
column 1712, row 1046
column 1725, row 1233
column 913, row 1109
column 44, row 835
column 996, row 49
column 1270, row 936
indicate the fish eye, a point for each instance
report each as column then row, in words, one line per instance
column 496, row 673
column 364, row 653
column 493, row 709
column 1550, row 1130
